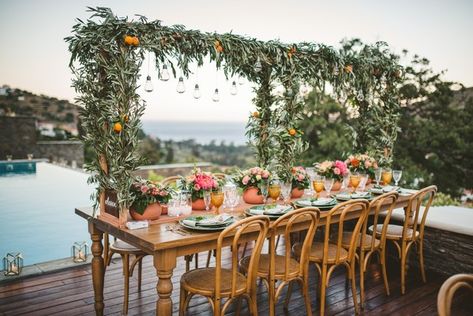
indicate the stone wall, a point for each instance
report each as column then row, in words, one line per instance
column 61, row 151
column 17, row 136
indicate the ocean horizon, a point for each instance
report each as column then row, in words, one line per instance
column 201, row 132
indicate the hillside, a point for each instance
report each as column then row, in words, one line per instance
column 52, row 114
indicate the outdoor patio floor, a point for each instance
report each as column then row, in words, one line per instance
column 69, row 292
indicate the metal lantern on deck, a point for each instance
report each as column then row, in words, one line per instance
column 13, row 264
column 80, row 251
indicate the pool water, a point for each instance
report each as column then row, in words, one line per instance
column 37, row 210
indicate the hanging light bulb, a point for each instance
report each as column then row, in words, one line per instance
column 233, row 88
column 164, row 73
column 216, row 96
column 258, row 67
column 241, row 80
column 181, row 88
column 197, row 93
column 148, row 84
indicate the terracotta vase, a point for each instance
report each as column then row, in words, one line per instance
column 251, row 196
column 337, row 185
column 297, row 193
column 164, row 209
column 198, row 205
column 151, row 213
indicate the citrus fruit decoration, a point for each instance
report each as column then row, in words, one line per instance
column 256, row 114
column 128, row 40
column 292, row 132
column 117, row 127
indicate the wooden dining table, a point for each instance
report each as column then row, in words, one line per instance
column 165, row 244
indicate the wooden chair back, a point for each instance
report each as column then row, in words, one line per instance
column 258, row 225
column 171, row 181
column 448, row 289
column 307, row 214
column 339, row 215
column 220, row 175
column 377, row 205
column 412, row 214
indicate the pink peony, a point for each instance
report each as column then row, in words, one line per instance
column 196, row 187
column 144, row 189
column 245, row 180
column 265, row 174
column 215, row 184
column 336, row 171
column 342, row 167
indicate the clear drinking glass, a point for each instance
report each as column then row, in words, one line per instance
column 397, row 174
column 311, row 173
column 363, row 181
column 230, row 192
column 207, row 199
column 286, row 191
column 377, row 175
column 264, row 191
column 328, row 184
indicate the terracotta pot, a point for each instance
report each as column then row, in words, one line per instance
column 251, row 196
column 151, row 213
column 198, row 205
column 164, row 209
column 337, row 185
column 297, row 193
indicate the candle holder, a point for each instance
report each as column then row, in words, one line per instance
column 13, row 264
column 80, row 251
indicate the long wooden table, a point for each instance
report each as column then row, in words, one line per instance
column 165, row 246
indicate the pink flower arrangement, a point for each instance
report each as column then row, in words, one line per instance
column 146, row 192
column 300, row 179
column 362, row 163
column 332, row 169
column 252, row 177
column 199, row 181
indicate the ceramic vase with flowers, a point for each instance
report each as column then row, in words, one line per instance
column 300, row 182
column 362, row 163
column 148, row 199
column 198, row 182
column 335, row 170
column 250, row 181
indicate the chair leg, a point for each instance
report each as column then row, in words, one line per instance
column 362, row 277
column 288, row 296
column 403, row 268
column 182, row 301
column 188, row 259
column 421, row 260
column 196, row 256
column 383, row 268
column 140, row 269
column 305, row 293
column 126, row 271
column 323, row 288
column 209, row 256
column 238, row 307
column 353, row 287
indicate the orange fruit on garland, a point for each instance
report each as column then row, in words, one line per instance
column 292, row 132
column 217, row 43
column 349, row 69
column 117, row 127
column 136, row 41
column 219, row 49
column 256, row 114
column 129, row 40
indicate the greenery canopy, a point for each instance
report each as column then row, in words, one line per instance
column 107, row 52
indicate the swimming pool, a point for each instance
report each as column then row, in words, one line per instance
column 37, row 210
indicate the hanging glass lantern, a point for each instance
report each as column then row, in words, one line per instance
column 164, row 73
column 197, row 93
column 181, row 88
column 80, row 251
column 13, row 264
column 216, row 96
column 233, row 88
column 148, row 84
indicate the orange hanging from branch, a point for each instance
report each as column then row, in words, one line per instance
column 117, row 127
column 292, row 132
column 128, row 40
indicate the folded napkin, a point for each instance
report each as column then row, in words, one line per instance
column 390, row 188
column 358, row 195
column 257, row 212
column 277, row 209
column 323, row 201
column 208, row 221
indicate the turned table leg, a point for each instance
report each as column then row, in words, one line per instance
column 98, row 269
column 164, row 263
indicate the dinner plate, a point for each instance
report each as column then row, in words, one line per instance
column 268, row 212
column 311, row 202
column 205, row 226
column 346, row 197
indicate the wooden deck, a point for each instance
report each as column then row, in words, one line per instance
column 69, row 292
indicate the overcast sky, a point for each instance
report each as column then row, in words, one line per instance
column 34, row 57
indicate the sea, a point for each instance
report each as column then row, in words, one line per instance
column 201, row 132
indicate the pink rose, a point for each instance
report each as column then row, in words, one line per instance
column 163, row 193
column 265, row 174
column 215, row 184
column 342, row 167
column 368, row 164
column 336, row 171
column 245, row 180
column 254, row 170
column 196, row 187
column 144, row 189
column 300, row 177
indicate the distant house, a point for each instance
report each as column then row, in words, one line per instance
column 4, row 90
column 21, row 98
column 46, row 129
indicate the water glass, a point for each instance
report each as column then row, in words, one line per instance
column 318, row 185
column 217, row 198
column 387, row 176
column 206, row 194
column 264, row 191
column 377, row 175
column 231, row 195
column 286, row 188
column 355, row 180
column 328, row 184
column 363, row 181
column 274, row 190
column 311, row 173
column 397, row 174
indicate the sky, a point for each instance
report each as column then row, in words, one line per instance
column 34, row 56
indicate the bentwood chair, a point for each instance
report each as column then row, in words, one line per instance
column 448, row 289
column 411, row 232
column 273, row 267
column 171, row 181
column 331, row 254
column 218, row 283
column 368, row 243
column 125, row 251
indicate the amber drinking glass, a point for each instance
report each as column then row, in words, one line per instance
column 318, row 185
column 355, row 180
column 274, row 191
column 387, row 176
column 217, row 200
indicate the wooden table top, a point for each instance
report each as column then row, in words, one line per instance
column 158, row 236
